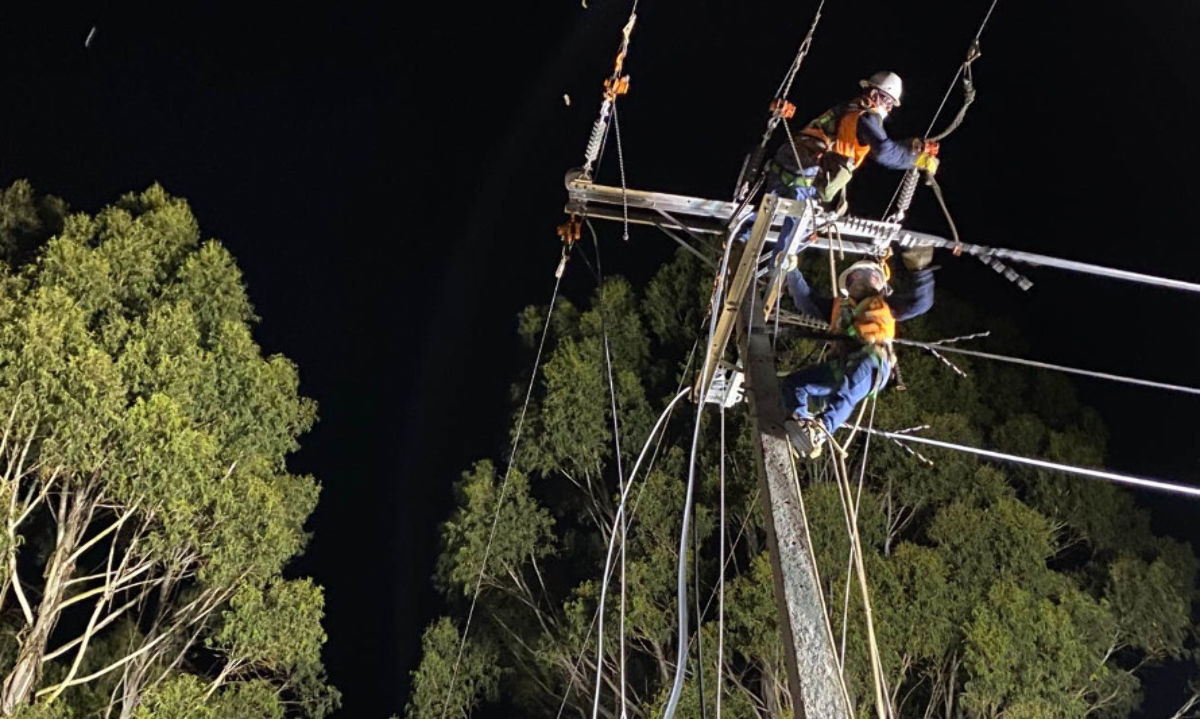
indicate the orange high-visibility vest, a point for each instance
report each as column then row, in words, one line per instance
column 845, row 135
column 871, row 320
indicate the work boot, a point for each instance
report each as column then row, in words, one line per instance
column 806, row 437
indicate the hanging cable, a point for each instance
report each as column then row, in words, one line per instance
column 1115, row 477
column 512, row 456
column 612, row 542
column 661, row 422
column 681, row 579
column 699, row 620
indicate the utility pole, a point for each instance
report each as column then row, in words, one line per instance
column 813, row 675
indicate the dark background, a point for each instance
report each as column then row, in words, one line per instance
column 389, row 179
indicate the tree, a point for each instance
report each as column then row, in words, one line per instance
column 997, row 591
column 147, row 509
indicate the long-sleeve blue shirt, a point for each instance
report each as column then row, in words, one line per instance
column 885, row 150
column 895, row 155
column 912, row 293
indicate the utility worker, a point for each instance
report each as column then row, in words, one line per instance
column 833, row 146
column 867, row 313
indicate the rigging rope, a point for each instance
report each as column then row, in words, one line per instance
column 1115, row 477
column 812, row 558
column 882, row 707
column 862, row 472
column 721, row 575
column 512, row 455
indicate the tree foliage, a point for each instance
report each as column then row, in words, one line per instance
column 147, row 508
column 998, row 591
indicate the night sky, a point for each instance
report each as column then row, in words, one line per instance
column 389, row 179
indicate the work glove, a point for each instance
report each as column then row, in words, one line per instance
column 916, row 258
column 927, row 162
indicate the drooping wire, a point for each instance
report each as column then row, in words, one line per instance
column 623, row 524
column 681, row 578
column 662, row 420
column 512, row 456
column 617, row 519
column 699, row 620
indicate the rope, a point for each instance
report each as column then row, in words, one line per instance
column 862, row 472
column 808, row 544
column 882, row 707
column 1116, row 478
column 721, row 576
column 512, row 455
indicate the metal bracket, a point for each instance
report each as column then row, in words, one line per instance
column 726, row 386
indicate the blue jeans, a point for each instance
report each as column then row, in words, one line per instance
column 838, row 385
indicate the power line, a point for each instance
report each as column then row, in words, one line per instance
column 1115, row 477
column 512, row 455
column 819, row 329
column 1046, row 365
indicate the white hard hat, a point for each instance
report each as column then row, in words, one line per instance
column 862, row 275
column 887, row 82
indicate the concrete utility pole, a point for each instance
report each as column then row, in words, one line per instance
column 813, row 676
